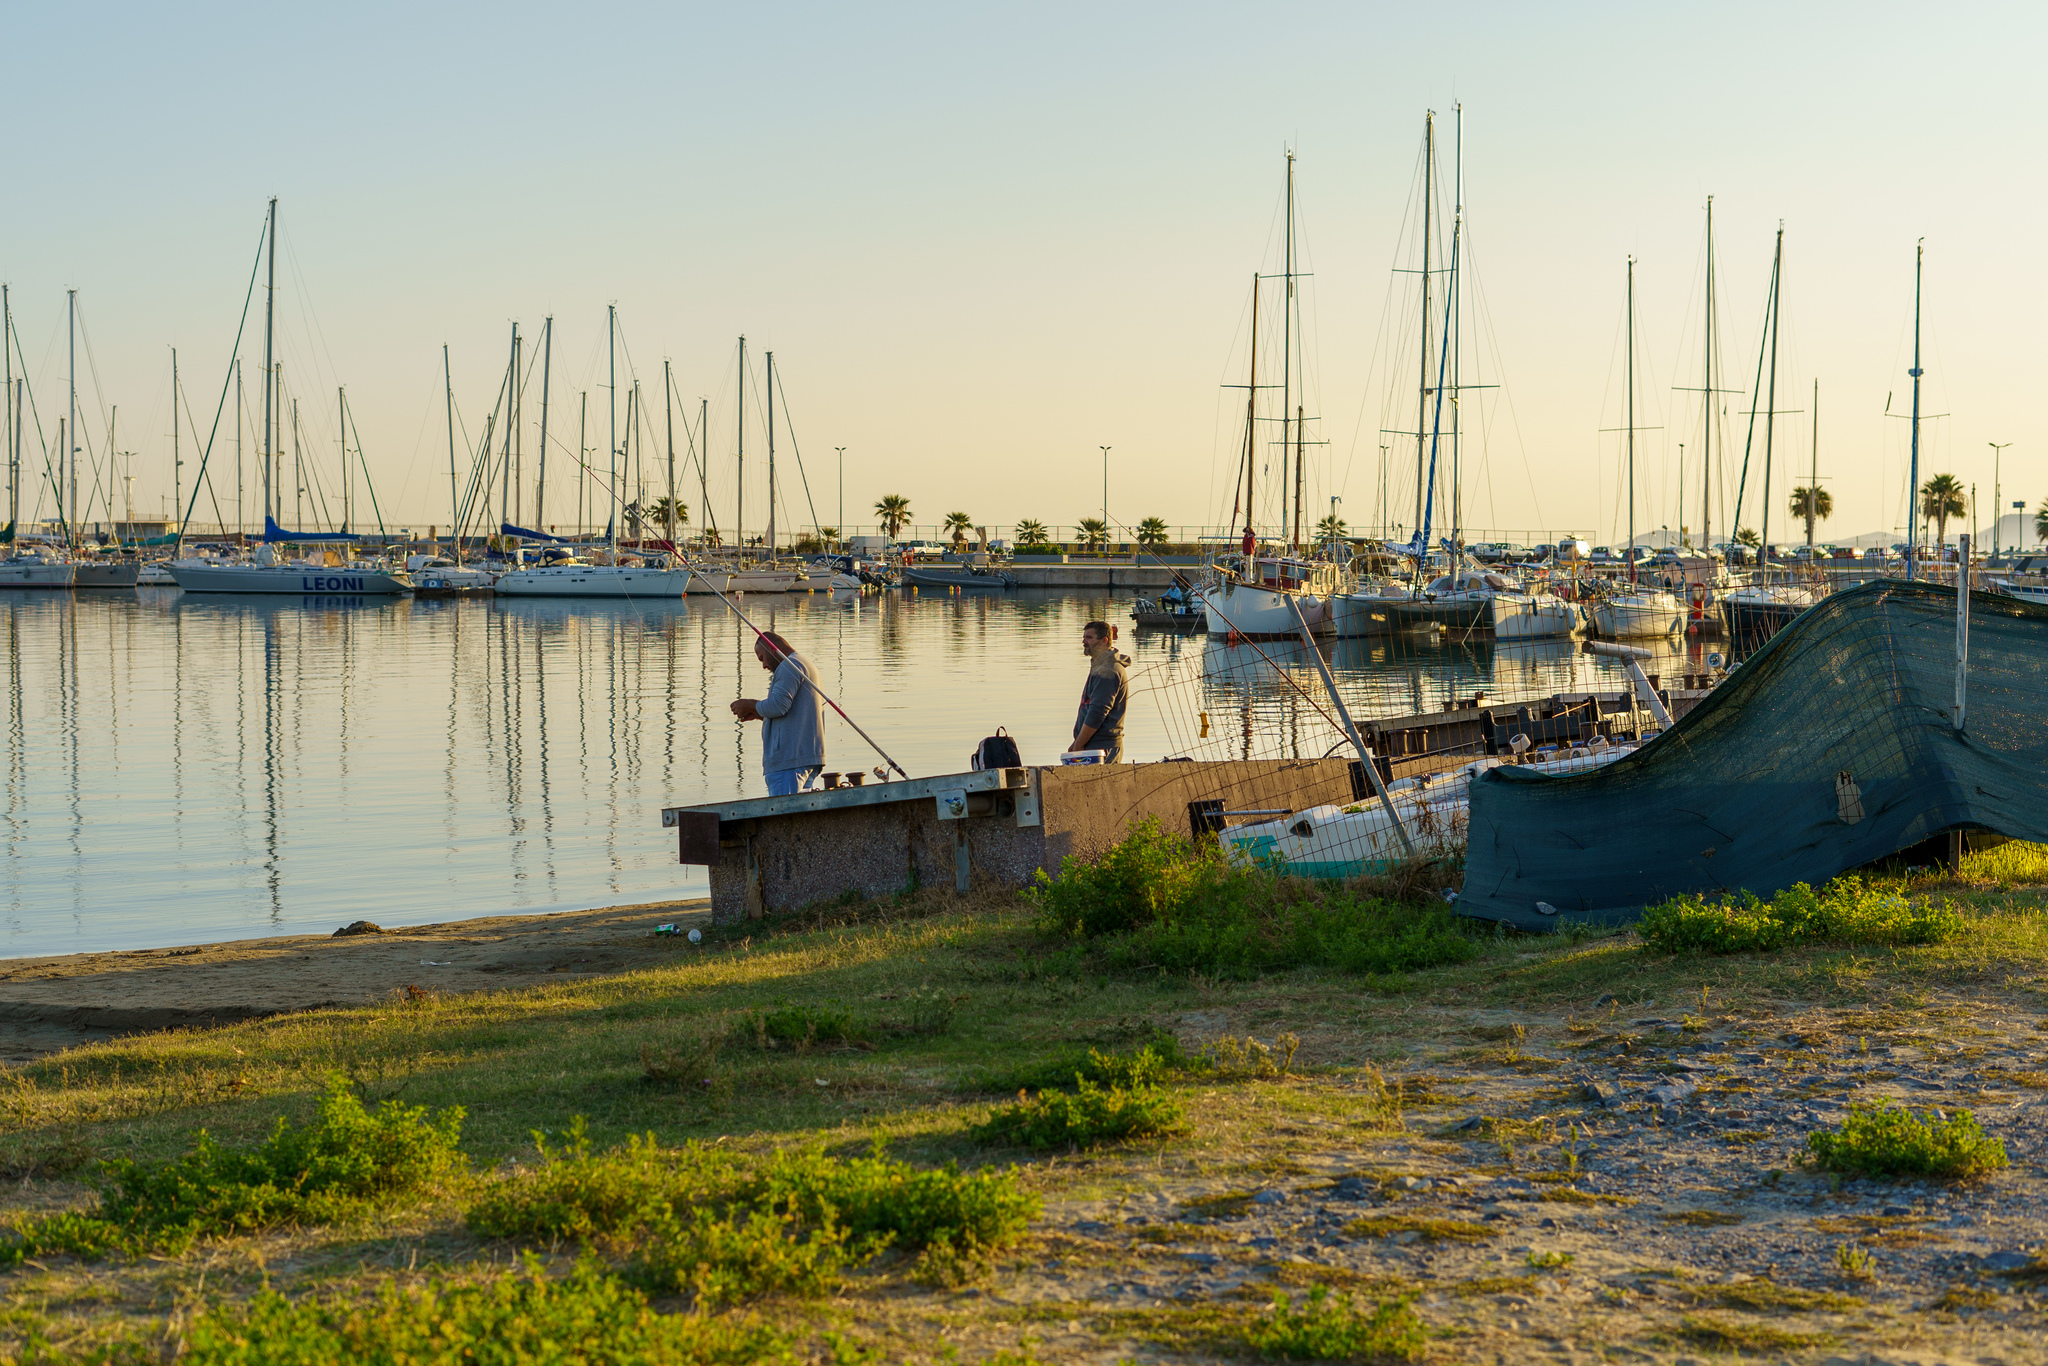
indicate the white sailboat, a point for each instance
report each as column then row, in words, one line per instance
column 1638, row 609
column 268, row 571
column 571, row 579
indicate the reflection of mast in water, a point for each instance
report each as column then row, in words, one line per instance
column 273, row 761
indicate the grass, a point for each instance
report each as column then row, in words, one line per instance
column 1159, row 902
column 1332, row 1328
column 1891, row 1141
column 346, row 1160
column 1848, row 910
column 1747, row 1337
column 592, row 1138
column 1085, row 1117
column 704, row 1222
column 1428, row 1230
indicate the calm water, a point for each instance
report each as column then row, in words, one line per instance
column 184, row 769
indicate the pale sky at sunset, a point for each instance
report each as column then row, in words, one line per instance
column 985, row 242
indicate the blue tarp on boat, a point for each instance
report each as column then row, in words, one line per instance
column 1833, row 746
column 273, row 532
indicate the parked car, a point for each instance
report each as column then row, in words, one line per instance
column 1603, row 554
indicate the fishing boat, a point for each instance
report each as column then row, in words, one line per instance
column 1350, row 841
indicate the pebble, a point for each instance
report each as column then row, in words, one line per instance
column 1270, row 1197
column 2005, row 1261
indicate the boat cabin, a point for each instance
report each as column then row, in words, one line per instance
column 1473, row 581
column 1287, row 574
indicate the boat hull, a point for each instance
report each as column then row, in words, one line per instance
column 593, row 581
column 763, row 581
column 1455, row 612
column 701, row 582
column 1533, row 618
column 114, row 575
column 35, row 575
column 1752, row 623
column 1261, row 611
column 1658, row 615
column 1355, row 615
column 286, row 579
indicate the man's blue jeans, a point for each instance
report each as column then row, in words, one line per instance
column 791, row 781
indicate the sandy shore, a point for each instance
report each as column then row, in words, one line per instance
column 52, row 1003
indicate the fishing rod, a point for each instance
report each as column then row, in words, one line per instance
column 783, row 654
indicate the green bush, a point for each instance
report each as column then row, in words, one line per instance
column 1159, row 902
column 1848, row 910
column 880, row 1202
column 574, row 1194
column 1158, row 1060
column 347, row 1159
column 804, row 1026
column 1086, row 1116
column 1887, row 1140
column 703, row 1221
column 722, row 1258
column 523, row 1320
column 1328, row 1328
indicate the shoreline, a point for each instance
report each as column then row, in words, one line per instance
column 56, row 1001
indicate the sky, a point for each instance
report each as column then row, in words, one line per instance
column 985, row 242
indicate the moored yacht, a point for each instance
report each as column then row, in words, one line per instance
column 1261, row 596
column 1754, row 613
column 1637, row 610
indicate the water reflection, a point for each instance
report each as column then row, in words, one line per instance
column 181, row 769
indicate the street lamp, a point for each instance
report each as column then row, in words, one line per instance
column 842, row 489
column 1105, row 486
column 1997, row 494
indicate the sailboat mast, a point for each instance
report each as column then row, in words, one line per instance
column 668, row 425
column 1457, row 337
column 611, row 349
column 1813, row 477
column 1913, row 478
column 1251, row 422
column 272, row 474
column 1293, row 526
column 1707, row 446
column 1631, row 365
column 13, row 450
column 1771, row 401
column 771, row 455
column 547, row 365
column 454, row 496
column 739, row 529
column 341, row 421
column 505, row 505
column 180, row 512
column 703, row 464
column 71, row 431
column 177, row 462
column 1422, row 363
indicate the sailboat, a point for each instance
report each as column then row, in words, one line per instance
column 1468, row 598
column 1758, row 610
column 571, row 578
column 1637, row 610
column 270, row 571
column 1276, row 594
column 743, row 575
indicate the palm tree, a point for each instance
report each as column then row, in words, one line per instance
column 1942, row 498
column 957, row 523
column 1030, row 532
column 891, row 513
column 2041, row 521
column 829, row 535
column 1811, row 503
column 669, row 511
column 1094, row 531
column 1331, row 528
column 1152, row 531
column 711, row 537
column 1747, row 536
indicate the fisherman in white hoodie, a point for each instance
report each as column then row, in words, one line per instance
column 792, row 718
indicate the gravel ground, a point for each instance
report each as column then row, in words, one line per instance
column 1630, row 1191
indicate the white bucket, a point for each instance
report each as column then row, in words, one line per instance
column 1084, row 756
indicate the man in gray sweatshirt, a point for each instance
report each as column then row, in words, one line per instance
column 1100, row 722
column 792, row 718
